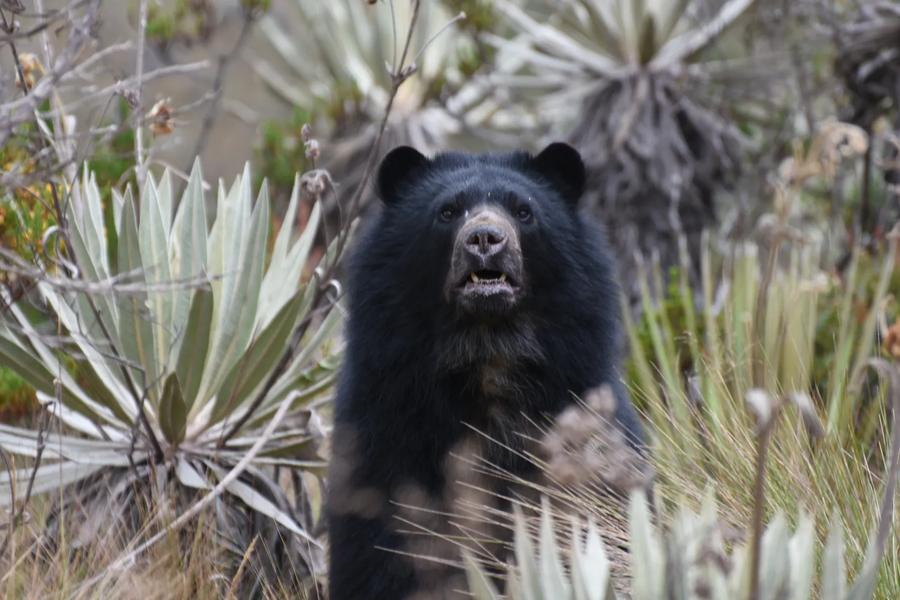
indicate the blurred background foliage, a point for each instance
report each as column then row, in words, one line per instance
column 682, row 109
column 743, row 155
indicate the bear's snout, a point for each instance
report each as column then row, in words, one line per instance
column 485, row 241
column 486, row 271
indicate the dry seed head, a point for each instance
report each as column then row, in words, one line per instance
column 836, row 142
column 761, row 405
column 811, row 420
column 602, row 400
column 312, row 149
column 315, row 183
column 584, row 445
column 160, row 117
column 31, row 70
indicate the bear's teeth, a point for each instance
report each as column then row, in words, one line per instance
column 503, row 277
column 475, row 278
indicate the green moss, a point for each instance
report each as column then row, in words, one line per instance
column 17, row 398
column 160, row 29
column 179, row 21
column 281, row 153
column 111, row 161
column 480, row 14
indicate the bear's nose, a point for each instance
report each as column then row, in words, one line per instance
column 485, row 241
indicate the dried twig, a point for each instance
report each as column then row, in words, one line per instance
column 22, row 110
column 222, row 65
column 767, row 411
column 63, row 230
column 112, row 285
column 140, row 167
column 401, row 73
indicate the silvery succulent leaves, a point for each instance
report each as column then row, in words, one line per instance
column 695, row 559
column 166, row 323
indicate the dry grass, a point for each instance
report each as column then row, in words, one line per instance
column 828, row 449
column 190, row 565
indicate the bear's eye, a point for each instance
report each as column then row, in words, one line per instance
column 448, row 212
column 524, row 214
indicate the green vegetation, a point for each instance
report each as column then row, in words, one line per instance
column 177, row 344
column 170, row 373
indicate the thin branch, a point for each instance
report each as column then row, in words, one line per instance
column 124, row 85
column 79, row 71
column 141, row 169
column 47, row 19
column 111, row 285
column 398, row 77
column 23, row 109
column 766, row 423
column 461, row 15
column 223, row 63
column 402, row 73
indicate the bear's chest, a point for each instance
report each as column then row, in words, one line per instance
column 496, row 379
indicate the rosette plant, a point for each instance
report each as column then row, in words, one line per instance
column 339, row 62
column 629, row 84
column 169, row 348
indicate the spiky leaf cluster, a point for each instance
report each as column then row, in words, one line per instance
column 627, row 82
column 158, row 362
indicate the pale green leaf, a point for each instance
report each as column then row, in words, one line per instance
column 286, row 266
column 135, row 328
column 774, row 565
column 834, row 574
column 647, row 556
column 193, row 348
column 480, row 586
column 264, row 506
column 187, row 248
column 49, row 477
column 25, row 365
column 308, row 348
column 239, row 295
column 189, row 475
column 172, row 411
column 153, row 233
column 803, row 559
column 525, row 558
column 49, row 359
column 553, row 578
column 594, row 566
column 260, row 359
column 24, row 442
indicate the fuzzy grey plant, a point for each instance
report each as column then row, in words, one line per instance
column 160, row 367
column 628, row 84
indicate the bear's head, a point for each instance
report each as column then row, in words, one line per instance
column 485, row 237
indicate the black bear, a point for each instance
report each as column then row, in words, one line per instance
column 480, row 299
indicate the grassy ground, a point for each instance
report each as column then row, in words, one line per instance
column 790, row 328
column 804, row 335
column 191, row 565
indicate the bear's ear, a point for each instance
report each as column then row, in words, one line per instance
column 396, row 169
column 561, row 164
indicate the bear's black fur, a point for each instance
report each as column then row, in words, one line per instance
column 435, row 351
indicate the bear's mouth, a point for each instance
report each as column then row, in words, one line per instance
column 487, row 282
